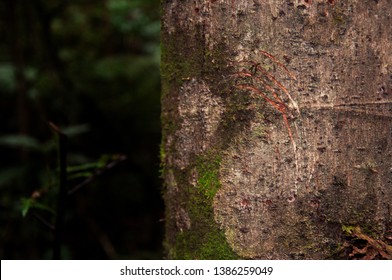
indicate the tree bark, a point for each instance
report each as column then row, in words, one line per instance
column 277, row 125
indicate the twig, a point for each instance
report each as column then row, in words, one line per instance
column 44, row 221
column 62, row 194
column 97, row 173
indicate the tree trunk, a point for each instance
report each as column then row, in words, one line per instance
column 277, row 125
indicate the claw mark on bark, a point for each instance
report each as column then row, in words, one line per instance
column 266, row 85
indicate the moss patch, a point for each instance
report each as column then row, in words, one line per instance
column 209, row 245
column 208, row 171
column 204, row 240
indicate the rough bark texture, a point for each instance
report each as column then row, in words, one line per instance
column 277, row 125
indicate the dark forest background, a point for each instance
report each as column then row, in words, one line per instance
column 91, row 68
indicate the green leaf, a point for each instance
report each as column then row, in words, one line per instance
column 104, row 160
column 80, row 175
column 76, row 129
column 87, row 169
column 20, row 141
column 28, row 203
column 7, row 77
column 82, row 167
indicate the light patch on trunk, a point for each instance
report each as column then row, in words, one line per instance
column 201, row 112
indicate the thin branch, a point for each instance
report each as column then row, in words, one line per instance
column 97, row 173
column 44, row 221
column 62, row 194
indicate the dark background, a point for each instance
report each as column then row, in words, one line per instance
column 91, row 67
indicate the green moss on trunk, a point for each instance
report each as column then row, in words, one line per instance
column 204, row 240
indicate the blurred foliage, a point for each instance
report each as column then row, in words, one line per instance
column 92, row 68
